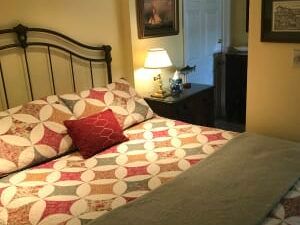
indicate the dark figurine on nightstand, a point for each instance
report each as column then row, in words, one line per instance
column 176, row 86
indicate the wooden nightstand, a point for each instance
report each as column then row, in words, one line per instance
column 194, row 105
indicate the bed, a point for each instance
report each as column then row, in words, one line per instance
column 165, row 172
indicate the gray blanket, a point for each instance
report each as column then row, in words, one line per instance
column 238, row 185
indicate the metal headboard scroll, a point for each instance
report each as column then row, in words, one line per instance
column 22, row 42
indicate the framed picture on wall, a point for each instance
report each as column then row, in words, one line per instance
column 156, row 18
column 280, row 21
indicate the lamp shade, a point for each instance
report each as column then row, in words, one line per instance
column 157, row 58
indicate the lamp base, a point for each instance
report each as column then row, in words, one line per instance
column 160, row 94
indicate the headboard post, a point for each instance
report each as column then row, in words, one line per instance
column 21, row 32
column 107, row 50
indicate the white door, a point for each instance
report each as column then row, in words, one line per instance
column 202, row 37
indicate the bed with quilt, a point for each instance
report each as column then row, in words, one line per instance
column 101, row 156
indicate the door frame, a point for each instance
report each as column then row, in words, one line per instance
column 226, row 27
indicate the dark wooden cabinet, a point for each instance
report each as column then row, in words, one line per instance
column 194, row 105
column 236, row 86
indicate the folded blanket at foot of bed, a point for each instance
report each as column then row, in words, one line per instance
column 238, row 185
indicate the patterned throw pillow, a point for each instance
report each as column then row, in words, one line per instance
column 32, row 133
column 120, row 97
column 95, row 133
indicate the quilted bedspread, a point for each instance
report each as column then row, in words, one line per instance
column 73, row 191
column 238, row 185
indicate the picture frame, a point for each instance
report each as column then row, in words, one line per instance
column 157, row 18
column 280, row 21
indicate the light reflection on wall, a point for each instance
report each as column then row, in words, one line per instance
column 144, row 83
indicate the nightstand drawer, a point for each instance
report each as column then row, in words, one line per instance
column 200, row 108
column 162, row 109
column 195, row 105
column 184, row 112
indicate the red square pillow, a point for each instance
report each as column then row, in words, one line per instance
column 95, row 133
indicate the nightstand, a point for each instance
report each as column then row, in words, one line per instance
column 194, row 105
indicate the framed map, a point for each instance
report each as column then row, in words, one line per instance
column 280, row 21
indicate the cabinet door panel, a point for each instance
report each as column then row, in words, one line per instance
column 236, row 87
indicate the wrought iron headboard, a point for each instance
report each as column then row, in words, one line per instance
column 22, row 33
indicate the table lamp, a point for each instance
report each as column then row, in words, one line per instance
column 158, row 58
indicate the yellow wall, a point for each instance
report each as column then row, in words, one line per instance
column 239, row 36
column 173, row 44
column 95, row 22
column 273, row 95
